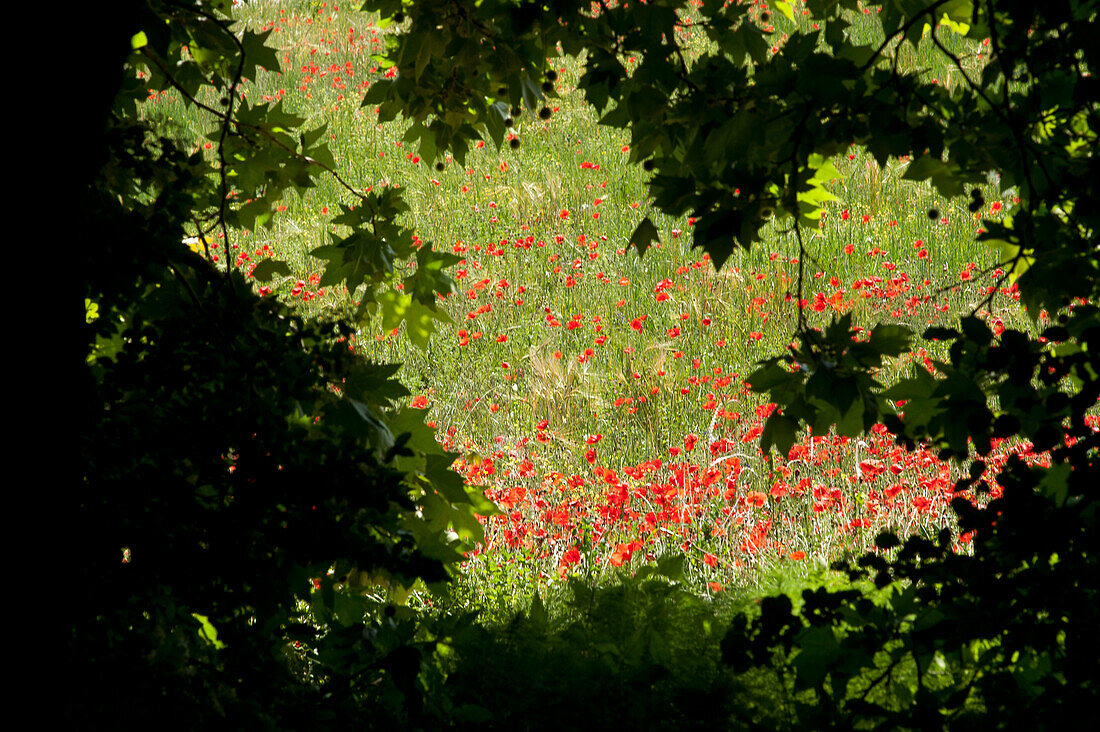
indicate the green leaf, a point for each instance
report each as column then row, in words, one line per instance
column 672, row 567
column 383, row 61
column 493, row 118
column 852, row 423
column 946, row 177
column 780, row 431
column 890, row 340
column 429, row 526
column 449, row 483
column 377, row 386
column 532, row 94
column 258, row 54
column 923, row 168
column 658, row 647
column 266, row 270
column 785, row 8
column 254, row 215
column 769, row 376
column 644, row 235
column 818, row 653
column 409, row 421
column 378, row 92
column 940, row 333
column 961, row 28
column 359, row 258
column 423, row 56
column 360, row 420
column 717, row 233
column 1055, row 483
column 464, row 521
column 207, row 631
column 420, row 320
column 429, row 279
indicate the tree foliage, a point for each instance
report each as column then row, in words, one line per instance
column 245, row 476
column 235, row 452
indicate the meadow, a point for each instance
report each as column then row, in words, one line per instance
column 598, row 397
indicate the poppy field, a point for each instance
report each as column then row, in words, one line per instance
column 600, row 398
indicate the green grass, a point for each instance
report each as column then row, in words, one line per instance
column 494, row 375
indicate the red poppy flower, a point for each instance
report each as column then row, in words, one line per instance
column 621, row 555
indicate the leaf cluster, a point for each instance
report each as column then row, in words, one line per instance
column 827, row 382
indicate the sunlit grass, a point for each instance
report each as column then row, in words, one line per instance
column 561, row 333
